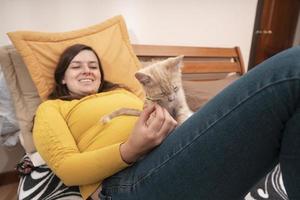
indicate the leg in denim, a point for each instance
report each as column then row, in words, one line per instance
column 228, row 145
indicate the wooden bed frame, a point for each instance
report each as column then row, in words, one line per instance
column 199, row 62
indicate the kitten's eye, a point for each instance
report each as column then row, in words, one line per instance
column 162, row 93
column 175, row 88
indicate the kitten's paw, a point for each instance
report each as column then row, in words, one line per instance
column 105, row 120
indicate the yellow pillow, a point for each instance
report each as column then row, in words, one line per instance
column 40, row 52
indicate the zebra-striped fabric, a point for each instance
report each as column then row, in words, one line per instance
column 270, row 187
column 43, row 184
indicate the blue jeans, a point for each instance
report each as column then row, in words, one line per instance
column 228, row 145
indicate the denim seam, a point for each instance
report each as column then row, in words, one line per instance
column 205, row 130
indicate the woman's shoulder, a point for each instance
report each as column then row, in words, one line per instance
column 50, row 103
column 55, row 104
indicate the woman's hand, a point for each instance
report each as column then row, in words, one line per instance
column 147, row 134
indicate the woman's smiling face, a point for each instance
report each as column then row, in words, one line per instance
column 83, row 76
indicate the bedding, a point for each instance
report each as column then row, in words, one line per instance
column 23, row 93
column 9, row 128
column 26, row 99
column 270, row 187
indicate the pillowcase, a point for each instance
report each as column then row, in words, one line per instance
column 23, row 93
column 9, row 128
column 40, row 52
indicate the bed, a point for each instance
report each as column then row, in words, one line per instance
column 206, row 72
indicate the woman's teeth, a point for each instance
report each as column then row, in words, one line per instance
column 85, row 80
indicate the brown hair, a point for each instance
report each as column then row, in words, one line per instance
column 60, row 90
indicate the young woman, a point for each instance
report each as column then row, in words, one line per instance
column 218, row 153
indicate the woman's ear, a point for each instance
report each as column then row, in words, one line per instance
column 63, row 82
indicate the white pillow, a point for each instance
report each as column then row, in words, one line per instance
column 9, row 128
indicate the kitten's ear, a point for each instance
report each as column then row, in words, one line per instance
column 176, row 62
column 143, row 78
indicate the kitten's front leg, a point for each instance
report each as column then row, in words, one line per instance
column 183, row 114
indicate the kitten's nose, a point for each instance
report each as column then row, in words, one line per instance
column 171, row 97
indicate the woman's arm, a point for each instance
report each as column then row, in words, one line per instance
column 56, row 145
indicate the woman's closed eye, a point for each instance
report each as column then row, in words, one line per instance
column 90, row 65
column 75, row 66
column 93, row 66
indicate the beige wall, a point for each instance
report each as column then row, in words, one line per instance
column 171, row 22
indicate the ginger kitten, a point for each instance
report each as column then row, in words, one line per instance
column 162, row 84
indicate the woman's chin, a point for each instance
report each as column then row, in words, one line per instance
column 90, row 92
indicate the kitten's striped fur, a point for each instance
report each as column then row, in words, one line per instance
column 162, row 84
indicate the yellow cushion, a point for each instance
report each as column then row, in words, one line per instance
column 40, row 52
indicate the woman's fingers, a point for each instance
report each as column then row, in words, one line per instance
column 168, row 125
column 163, row 123
column 157, row 119
column 146, row 114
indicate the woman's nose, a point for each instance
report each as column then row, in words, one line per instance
column 86, row 68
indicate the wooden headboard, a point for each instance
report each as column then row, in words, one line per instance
column 199, row 62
